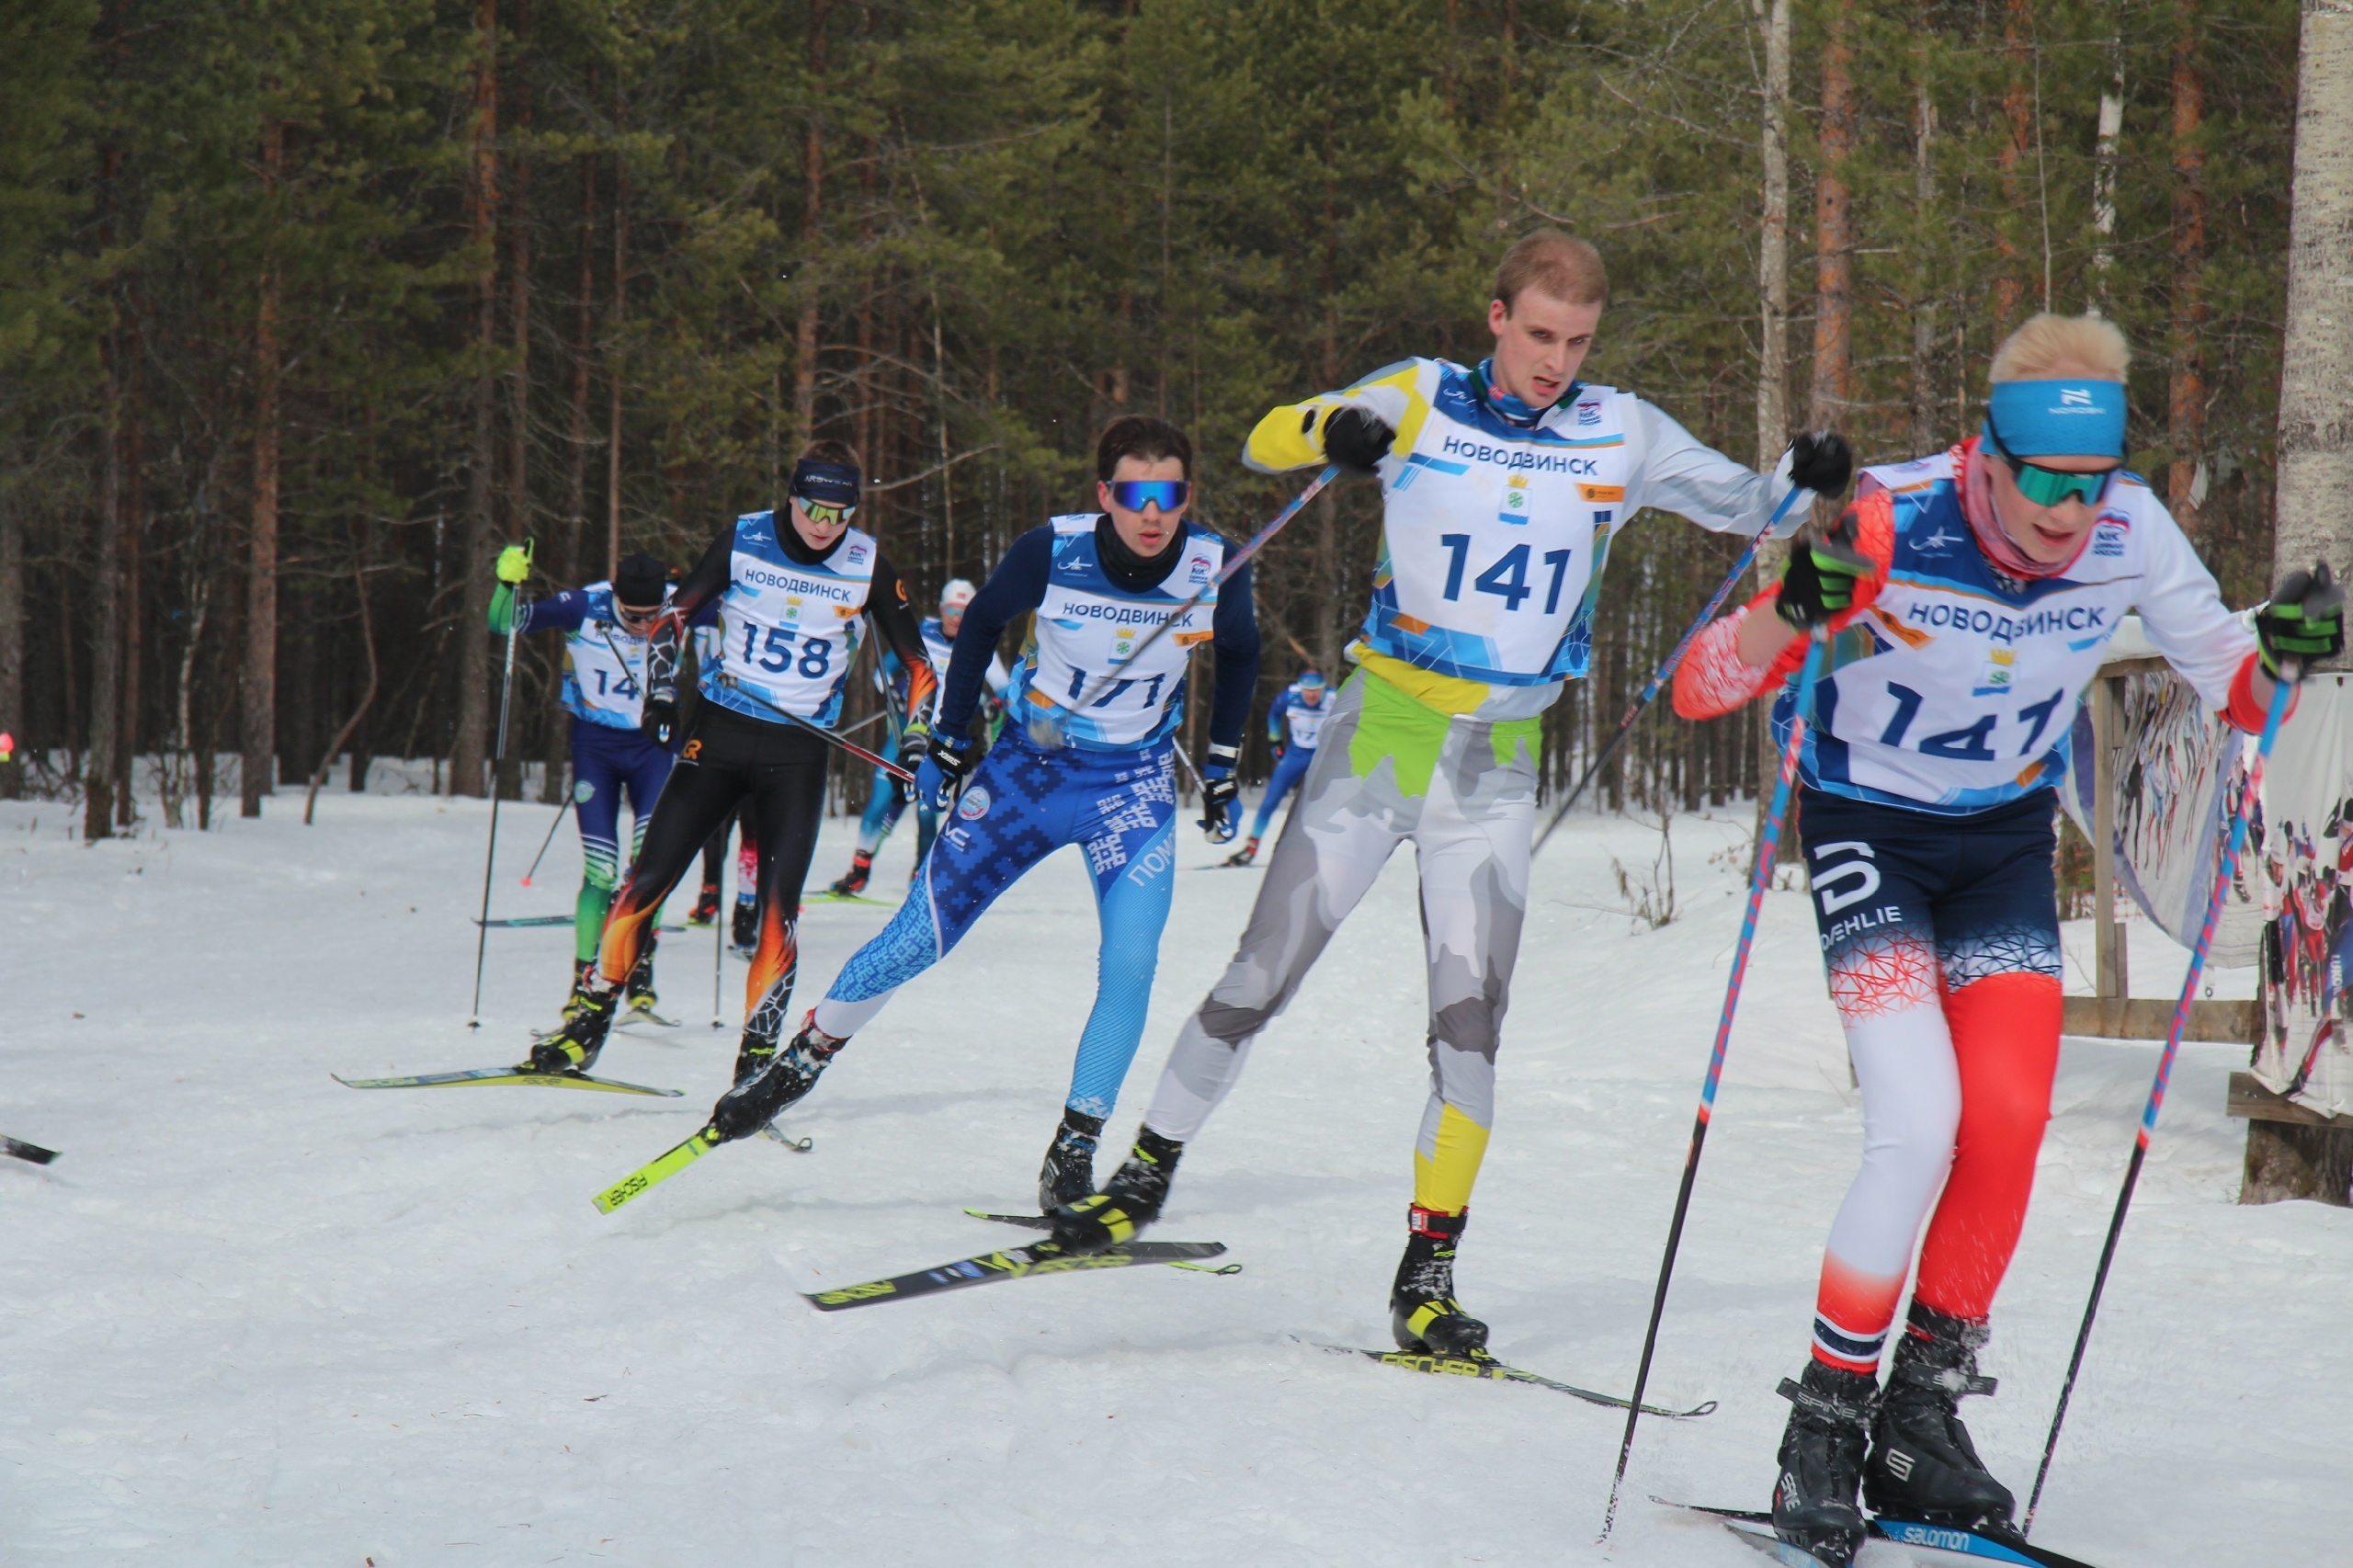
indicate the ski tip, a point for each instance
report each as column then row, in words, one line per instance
column 31, row 1152
column 797, row 1145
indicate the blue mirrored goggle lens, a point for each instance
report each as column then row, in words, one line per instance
column 1135, row 495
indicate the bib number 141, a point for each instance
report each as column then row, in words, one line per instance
column 1973, row 743
column 1507, row 578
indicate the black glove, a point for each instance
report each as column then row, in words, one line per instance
column 1821, row 578
column 2304, row 621
column 941, row 775
column 1219, row 790
column 1819, row 461
column 658, row 719
column 1356, row 438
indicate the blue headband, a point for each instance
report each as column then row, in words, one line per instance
column 828, row 484
column 2072, row 418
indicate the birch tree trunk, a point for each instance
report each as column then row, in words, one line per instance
column 106, row 609
column 2316, row 374
column 12, row 642
column 1834, row 231
column 813, row 211
column 1773, row 316
column 1924, row 297
column 2185, row 392
column 2105, row 165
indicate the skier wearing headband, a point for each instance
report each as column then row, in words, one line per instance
column 605, row 627
column 1978, row 587
column 1090, row 764
column 886, row 802
column 792, row 592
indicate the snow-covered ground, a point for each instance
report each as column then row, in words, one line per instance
column 254, row 1317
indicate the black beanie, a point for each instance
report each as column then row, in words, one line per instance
column 640, row 581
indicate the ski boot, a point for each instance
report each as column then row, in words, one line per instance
column 637, row 997
column 1821, row 1461
column 1244, row 855
column 573, row 1048
column 1424, row 1316
column 790, row 1074
column 705, row 910
column 861, row 867
column 1130, row 1201
column 583, row 971
column 753, row 1054
column 1068, row 1173
column 747, row 933
column 1922, row 1464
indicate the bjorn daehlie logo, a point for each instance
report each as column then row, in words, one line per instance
column 2073, row 396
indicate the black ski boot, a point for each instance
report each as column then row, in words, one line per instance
column 583, row 971
column 861, row 867
column 747, row 933
column 790, row 1074
column 1130, row 1201
column 1244, row 855
column 1068, row 1173
column 705, row 910
column 1922, row 1464
column 1821, row 1461
column 1424, row 1316
column 573, row 1048
column 753, row 1054
column 638, row 998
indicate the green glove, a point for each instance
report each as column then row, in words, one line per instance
column 2305, row 621
column 515, row 563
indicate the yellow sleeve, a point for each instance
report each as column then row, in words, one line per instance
column 1288, row 438
column 1292, row 436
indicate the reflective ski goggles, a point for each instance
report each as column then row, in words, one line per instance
column 1135, row 495
column 826, row 516
column 2050, row 486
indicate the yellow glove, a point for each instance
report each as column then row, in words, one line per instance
column 515, row 563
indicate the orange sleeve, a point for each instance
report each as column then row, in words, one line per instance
column 1714, row 679
column 2246, row 711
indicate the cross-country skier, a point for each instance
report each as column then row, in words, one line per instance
column 605, row 627
column 1099, row 584
column 1503, row 487
column 1979, row 585
column 793, row 591
column 887, row 801
column 1293, row 720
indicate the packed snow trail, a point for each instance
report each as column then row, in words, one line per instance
column 259, row 1318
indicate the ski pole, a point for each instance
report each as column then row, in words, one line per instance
column 1759, row 879
column 1666, row 670
column 543, row 855
column 497, row 766
column 2289, row 671
column 1234, row 563
column 832, row 737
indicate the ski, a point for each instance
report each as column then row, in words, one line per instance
column 1020, row 1262
column 668, row 1164
column 1027, row 1221
column 1485, row 1366
column 644, row 1016
column 519, row 1075
column 16, row 1148
column 848, row 898
column 2006, row 1545
column 523, row 921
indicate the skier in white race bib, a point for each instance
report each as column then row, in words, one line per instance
column 1502, row 488
column 1090, row 762
column 1294, row 723
column 1976, row 589
column 794, row 591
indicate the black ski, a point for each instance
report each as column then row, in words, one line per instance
column 16, row 1148
column 2004, row 1546
column 1043, row 1257
column 1027, row 1221
column 1486, row 1366
column 525, row 922
column 520, row 1073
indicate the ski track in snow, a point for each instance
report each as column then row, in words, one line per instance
column 254, row 1317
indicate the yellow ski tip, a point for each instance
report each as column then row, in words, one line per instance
column 675, row 1159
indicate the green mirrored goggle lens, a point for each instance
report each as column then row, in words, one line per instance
column 2048, row 486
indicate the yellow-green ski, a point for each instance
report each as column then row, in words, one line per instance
column 676, row 1160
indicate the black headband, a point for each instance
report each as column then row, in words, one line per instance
column 827, row 485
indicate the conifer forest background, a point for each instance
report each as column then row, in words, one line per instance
column 308, row 306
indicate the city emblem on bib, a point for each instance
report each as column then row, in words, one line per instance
column 1515, row 500
column 792, row 609
column 1996, row 677
column 1123, row 645
column 975, row 804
